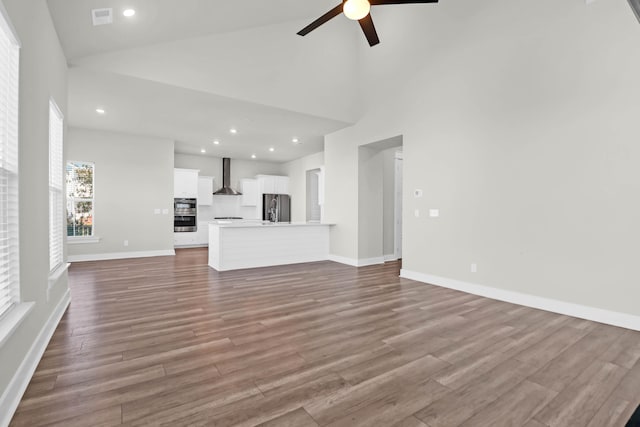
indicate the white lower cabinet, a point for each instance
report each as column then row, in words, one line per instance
column 202, row 235
column 184, row 239
column 194, row 238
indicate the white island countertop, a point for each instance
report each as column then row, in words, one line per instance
column 248, row 244
column 250, row 223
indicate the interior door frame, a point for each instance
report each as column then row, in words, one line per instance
column 397, row 220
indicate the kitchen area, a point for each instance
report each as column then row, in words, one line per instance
column 245, row 226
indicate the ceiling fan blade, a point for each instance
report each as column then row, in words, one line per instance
column 323, row 19
column 378, row 2
column 369, row 30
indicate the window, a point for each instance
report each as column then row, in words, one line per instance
column 80, row 199
column 55, row 187
column 9, row 256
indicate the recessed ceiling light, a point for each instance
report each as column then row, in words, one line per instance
column 100, row 110
column 216, row 142
column 233, row 130
column 253, row 156
column 272, row 149
column 294, row 140
column 129, row 13
column 203, row 151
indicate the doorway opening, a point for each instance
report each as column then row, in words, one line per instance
column 380, row 192
column 314, row 195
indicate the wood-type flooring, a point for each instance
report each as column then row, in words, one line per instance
column 168, row 341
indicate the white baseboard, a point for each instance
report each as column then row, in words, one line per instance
column 356, row 262
column 119, row 255
column 18, row 385
column 343, row 260
column 390, row 257
column 614, row 318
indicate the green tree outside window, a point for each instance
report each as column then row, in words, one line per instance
column 80, row 199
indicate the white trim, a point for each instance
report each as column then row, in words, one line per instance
column 398, row 179
column 82, row 240
column 343, row 260
column 390, row 257
column 12, row 319
column 119, row 255
column 356, row 262
column 18, row 384
column 55, row 275
column 9, row 26
column 614, row 318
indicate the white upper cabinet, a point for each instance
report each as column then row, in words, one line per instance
column 282, row 185
column 250, row 193
column 205, row 191
column 185, row 183
column 272, row 184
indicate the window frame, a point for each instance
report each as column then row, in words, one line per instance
column 93, row 238
column 56, row 189
column 15, row 313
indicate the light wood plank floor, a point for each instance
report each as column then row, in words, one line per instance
column 169, row 341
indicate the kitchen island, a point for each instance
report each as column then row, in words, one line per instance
column 238, row 245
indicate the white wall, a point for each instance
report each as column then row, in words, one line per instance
column 297, row 172
column 370, row 203
column 341, row 192
column 133, row 177
column 42, row 75
column 521, row 127
column 388, row 201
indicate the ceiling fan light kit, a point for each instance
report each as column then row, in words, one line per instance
column 358, row 10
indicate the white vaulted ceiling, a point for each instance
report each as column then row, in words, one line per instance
column 189, row 70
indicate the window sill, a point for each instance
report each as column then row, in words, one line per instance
column 55, row 275
column 12, row 319
column 82, row 240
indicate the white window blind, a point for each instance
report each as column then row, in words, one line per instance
column 9, row 256
column 56, row 215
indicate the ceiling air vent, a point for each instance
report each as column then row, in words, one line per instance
column 102, row 16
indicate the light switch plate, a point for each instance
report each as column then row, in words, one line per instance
column 156, row 211
column 434, row 213
column 417, row 193
column 417, row 213
column 165, row 211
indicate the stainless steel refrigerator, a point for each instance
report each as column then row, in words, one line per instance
column 276, row 208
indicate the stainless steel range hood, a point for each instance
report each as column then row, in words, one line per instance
column 226, row 189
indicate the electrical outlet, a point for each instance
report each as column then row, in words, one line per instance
column 126, row 243
column 165, row 211
column 156, row 211
column 474, row 268
column 434, row 213
column 417, row 213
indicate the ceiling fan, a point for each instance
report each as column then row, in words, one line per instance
column 358, row 10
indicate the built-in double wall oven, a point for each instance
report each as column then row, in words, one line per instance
column 184, row 215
